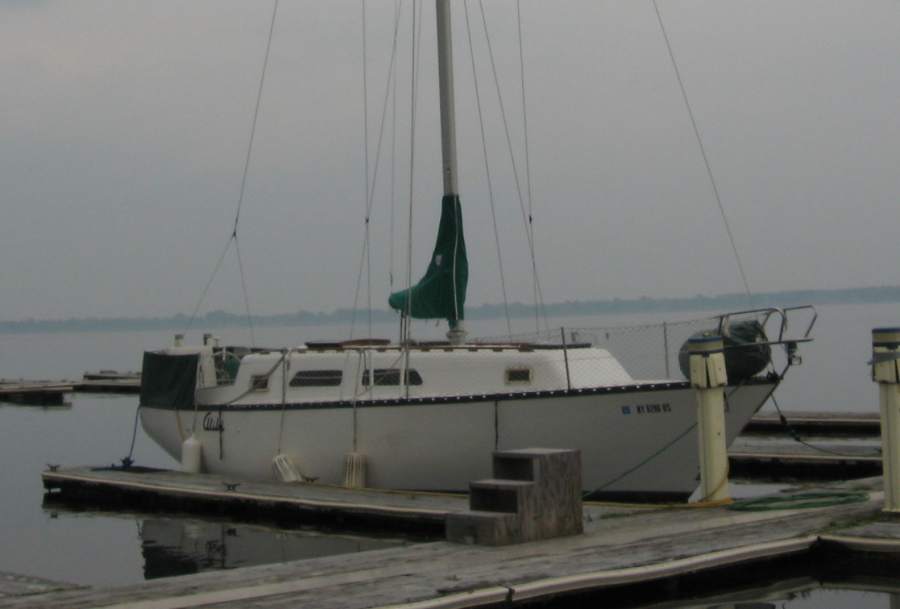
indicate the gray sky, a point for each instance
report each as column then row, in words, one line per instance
column 124, row 125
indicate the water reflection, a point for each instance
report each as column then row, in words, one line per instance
column 178, row 547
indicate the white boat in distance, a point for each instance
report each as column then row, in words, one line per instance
column 427, row 416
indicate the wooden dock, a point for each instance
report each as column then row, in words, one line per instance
column 13, row 585
column 621, row 546
column 128, row 386
column 818, row 458
column 856, row 424
column 36, row 393
column 53, row 393
column 150, row 488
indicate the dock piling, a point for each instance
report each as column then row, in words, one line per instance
column 886, row 372
column 708, row 378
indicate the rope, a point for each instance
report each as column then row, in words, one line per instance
column 129, row 460
column 642, row 463
column 487, row 171
column 795, row 435
column 251, row 389
column 709, row 172
column 512, row 158
column 693, row 426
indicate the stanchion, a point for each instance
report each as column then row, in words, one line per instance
column 708, row 378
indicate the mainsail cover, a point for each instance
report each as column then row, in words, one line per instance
column 441, row 293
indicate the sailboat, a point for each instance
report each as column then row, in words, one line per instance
column 427, row 416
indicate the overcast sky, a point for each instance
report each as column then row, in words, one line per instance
column 124, row 126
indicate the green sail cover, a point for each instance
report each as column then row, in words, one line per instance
column 441, row 293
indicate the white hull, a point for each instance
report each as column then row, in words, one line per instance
column 634, row 440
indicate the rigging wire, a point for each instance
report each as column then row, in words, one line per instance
column 237, row 249
column 237, row 214
column 528, row 233
column 540, row 310
column 397, row 6
column 414, row 68
column 709, row 172
column 366, row 241
column 370, row 186
column 208, row 284
column 487, row 170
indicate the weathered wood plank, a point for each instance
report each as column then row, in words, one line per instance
column 636, row 545
column 37, row 393
column 121, row 386
column 867, row 423
column 15, row 585
column 816, row 459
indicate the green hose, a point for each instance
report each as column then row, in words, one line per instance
column 800, row 501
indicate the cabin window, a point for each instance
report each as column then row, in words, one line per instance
column 391, row 376
column 259, row 382
column 515, row 376
column 317, row 378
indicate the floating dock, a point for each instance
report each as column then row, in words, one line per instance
column 130, row 386
column 36, row 393
column 818, row 458
column 621, row 546
column 171, row 490
column 818, row 423
column 53, row 393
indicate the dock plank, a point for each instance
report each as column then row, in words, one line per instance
column 16, row 585
column 214, row 488
column 817, row 458
column 128, row 386
column 868, row 423
column 629, row 545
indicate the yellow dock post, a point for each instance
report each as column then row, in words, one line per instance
column 708, row 378
column 886, row 372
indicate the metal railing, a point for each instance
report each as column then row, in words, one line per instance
column 650, row 351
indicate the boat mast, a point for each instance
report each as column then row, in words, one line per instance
column 457, row 332
column 448, row 112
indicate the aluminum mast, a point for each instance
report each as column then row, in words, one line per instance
column 457, row 332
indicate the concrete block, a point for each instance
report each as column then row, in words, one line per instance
column 535, row 494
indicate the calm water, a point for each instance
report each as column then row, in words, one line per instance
column 52, row 542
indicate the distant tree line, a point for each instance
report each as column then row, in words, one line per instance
column 219, row 318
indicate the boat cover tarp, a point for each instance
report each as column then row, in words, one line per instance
column 441, row 293
column 168, row 380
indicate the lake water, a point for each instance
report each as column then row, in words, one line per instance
column 53, row 542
